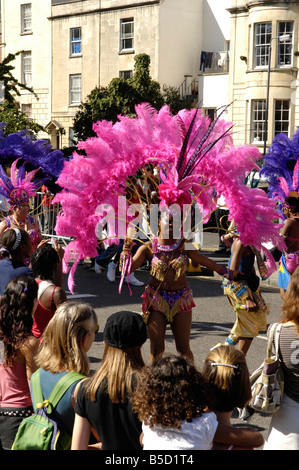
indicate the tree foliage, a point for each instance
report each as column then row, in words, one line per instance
column 9, row 111
column 11, row 85
column 16, row 120
column 121, row 97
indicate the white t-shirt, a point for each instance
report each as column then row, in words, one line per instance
column 198, row 434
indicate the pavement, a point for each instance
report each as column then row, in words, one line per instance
column 212, row 318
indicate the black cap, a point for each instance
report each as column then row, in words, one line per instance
column 125, row 330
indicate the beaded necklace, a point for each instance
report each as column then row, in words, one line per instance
column 20, row 224
column 166, row 248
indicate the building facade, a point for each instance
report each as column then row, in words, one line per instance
column 95, row 41
column 71, row 46
column 25, row 27
column 263, row 70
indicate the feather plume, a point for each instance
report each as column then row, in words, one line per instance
column 194, row 159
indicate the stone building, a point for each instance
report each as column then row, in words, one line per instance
column 71, row 46
column 263, row 70
column 25, row 27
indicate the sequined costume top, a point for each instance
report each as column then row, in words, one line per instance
column 166, row 257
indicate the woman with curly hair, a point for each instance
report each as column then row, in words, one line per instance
column 103, row 401
column 172, row 399
column 18, row 350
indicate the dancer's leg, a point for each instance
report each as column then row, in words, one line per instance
column 181, row 328
column 156, row 333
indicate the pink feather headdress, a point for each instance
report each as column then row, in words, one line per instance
column 195, row 157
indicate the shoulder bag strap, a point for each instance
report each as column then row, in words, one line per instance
column 270, row 340
column 277, row 334
column 275, row 329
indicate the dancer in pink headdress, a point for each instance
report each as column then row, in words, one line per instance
column 193, row 157
column 18, row 189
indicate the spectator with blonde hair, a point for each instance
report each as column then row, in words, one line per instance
column 66, row 341
column 227, row 376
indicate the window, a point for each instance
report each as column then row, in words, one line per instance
column 75, row 38
column 281, row 122
column 125, row 74
column 258, row 121
column 26, row 68
column 27, row 109
column 26, row 25
column 75, row 89
column 126, row 34
column 262, row 39
column 284, row 49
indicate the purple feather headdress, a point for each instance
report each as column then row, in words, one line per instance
column 37, row 152
column 281, row 168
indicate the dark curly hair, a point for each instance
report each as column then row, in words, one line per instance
column 168, row 392
column 43, row 261
column 16, row 305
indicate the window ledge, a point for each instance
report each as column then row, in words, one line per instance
column 26, row 33
column 283, row 68
column 126, row 51
column 72, row 56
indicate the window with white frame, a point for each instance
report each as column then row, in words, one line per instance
column 126, row 74
column 262, row 40
column 75, row 89
column 282, row 117
column 285, row 48
column 26, row 68
column 258, row 114
column 76, row 41
column 27, row 109
column 127, row 34
column 26, row 18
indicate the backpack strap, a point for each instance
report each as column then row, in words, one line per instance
column 62, row 385
column 57, row 393
column 37, row 396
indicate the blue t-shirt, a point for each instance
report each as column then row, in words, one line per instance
column 8, row 272
column 64, row 412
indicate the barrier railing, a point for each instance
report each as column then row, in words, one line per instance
column 46, row 217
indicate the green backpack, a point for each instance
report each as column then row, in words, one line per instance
column 39, row 431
